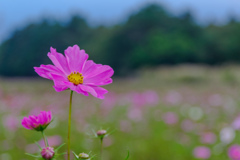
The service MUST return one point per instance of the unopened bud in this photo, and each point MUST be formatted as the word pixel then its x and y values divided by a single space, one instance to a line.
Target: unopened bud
pixel 83 156
pixel 101 133
pixel 47 153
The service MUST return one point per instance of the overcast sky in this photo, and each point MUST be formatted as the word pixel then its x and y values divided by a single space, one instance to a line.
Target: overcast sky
pixel 18 13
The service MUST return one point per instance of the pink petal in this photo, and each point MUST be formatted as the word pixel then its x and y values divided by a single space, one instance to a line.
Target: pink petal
pixel 33 119
pixel 76 58
pixel 25 123
pixel 95 91
pixel 61 85
pixel 49 116
pixel 59 61
pixel 45 71
pixel 57 77
pixel 44 118
pixel 31 124
pixel 78 89
pixel 101 77
pixel 90 67
pixel 41 119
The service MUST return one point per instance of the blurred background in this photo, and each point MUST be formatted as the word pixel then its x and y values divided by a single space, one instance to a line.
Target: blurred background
pixel 176 84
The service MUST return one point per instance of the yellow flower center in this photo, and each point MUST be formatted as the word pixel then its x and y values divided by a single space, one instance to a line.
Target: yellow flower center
pixel 76 78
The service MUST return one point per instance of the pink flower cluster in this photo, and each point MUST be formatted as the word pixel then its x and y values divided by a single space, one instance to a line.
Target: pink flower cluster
pixel 39 122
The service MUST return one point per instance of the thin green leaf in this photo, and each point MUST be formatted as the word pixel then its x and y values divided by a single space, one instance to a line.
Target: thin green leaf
pixel 76 156
pixel 127 156
pixel 59 147
pixel 35 156
pixel 93 156
pixel 61 153
pixel 38 145
pixel 109 133
pixel 94 133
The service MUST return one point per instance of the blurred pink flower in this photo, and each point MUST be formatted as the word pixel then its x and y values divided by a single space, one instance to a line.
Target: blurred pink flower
pixel 208 138
pixel 173 98
pixel 234 152
pixel 147 98
pixel 125 126
pixel 138 100
pixel 170 118
pixel 201 152
pixel 108 103
pixel 151 97
pixel 187 125
pixel 215 100
pixel 38 123
pixel 10 122
pixel 31 148
pixel 236 123
pixel 52 141
pixel 107 142
pixel 135 114
pixel 74 71
pixel 6 145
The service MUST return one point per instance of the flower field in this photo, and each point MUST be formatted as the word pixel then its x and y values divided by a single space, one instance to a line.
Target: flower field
pixel 169 113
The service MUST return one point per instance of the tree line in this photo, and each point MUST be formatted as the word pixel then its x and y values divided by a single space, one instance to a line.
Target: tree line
pixel 149 38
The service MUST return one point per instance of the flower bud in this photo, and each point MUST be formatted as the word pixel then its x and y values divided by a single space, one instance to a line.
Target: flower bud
pixel 101 133
pixel 47 153
pixel 83 156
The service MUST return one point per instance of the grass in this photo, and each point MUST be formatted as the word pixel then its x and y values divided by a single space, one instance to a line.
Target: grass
pixel 137 109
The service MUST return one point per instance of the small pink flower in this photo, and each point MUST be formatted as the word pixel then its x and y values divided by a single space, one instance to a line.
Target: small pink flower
pixel 202 152
pixel 208 138
pixel 234 152
pixel 170 118
pixel 74 71
pixel 38 123
pixel 47 153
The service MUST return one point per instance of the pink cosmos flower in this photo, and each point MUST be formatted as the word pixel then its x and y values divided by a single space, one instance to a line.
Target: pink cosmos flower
pixel 76 72
pixel 234 152
pixel 38 123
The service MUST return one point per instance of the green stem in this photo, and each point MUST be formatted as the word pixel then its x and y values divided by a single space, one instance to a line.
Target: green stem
pixel 101 154
pixel 45 139
pixel 69 124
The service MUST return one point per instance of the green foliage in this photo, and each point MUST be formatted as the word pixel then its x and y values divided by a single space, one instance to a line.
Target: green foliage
pixel 150 37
